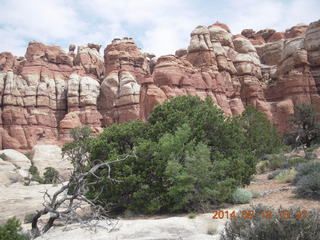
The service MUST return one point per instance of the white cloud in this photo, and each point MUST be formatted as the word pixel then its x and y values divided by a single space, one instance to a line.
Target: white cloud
pixel 279 15
pixel 160 26
pixel 46 21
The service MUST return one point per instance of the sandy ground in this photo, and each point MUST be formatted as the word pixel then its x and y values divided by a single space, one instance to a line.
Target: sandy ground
pixel 285 199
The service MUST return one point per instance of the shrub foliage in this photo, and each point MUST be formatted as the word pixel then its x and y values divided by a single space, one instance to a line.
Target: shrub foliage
pixel 241 196
pixel 188 155
pixel 307 180
pixel 10 230
pixel 50 175
pixel 275 227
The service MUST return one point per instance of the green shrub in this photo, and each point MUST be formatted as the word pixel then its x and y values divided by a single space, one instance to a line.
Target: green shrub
pixel 275 173
pixel 274 227
pixel 255 194
pixel 10 230
pixel 262 166
pixel 294 162
pixel 28 218
pixel 262 137
pixel 308 186
pixel 28 155
pixel 50 175
pixel 188 155
pixel 241 196
pixel 33 170
pixel 3 156
pixel 192 215
pixel 281 161
pixel 278 161
pixel 286 176
pixel 305 169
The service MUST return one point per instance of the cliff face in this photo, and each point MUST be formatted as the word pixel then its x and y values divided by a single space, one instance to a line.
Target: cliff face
pixel 48 92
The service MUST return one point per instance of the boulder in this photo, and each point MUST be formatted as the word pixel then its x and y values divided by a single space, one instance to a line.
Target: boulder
pixel 19 160
pixel 50 156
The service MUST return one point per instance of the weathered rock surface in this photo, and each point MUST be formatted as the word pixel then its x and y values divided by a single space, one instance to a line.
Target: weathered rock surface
pixel 9 173
pixel 19 200
pixel 172 228
pixel 50 156
pixel 48 92
pixel 16 158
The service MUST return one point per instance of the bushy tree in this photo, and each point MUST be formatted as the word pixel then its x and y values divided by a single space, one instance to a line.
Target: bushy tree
pixel 187 155
pixel 261 136
pixel 305 125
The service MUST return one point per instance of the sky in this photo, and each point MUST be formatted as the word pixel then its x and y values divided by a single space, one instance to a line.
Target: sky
pixel 157 26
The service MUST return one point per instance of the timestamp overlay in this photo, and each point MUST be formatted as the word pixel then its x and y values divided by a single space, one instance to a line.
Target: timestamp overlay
pixel 252 214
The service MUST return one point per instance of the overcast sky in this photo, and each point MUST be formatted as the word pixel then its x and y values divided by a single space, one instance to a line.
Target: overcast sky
pixel 158 26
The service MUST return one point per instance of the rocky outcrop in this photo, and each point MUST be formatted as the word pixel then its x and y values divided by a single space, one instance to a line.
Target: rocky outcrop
pixel 16 158
pixel 44 155
pixel 38 91
pixel 48 92
pixel 14 167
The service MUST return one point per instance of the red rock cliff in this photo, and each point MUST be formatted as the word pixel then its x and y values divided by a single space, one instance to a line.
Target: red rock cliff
pixel 48 92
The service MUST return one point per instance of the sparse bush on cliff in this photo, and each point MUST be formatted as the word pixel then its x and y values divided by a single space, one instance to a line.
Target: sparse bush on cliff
pixel 269 223
pixel 11 230
pixel 3 156
pixel 188 155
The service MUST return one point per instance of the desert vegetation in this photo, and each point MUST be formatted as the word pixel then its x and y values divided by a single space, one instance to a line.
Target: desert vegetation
pixel 187 157
pixel 11 230
pixel 268 223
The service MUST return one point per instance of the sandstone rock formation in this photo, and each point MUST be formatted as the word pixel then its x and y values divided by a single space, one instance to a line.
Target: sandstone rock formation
pixel 14 166
pixel 45 155
pixel 48 92
pixel 16 158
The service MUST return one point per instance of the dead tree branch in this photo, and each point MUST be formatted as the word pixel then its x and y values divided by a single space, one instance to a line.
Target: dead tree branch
pixel 64 206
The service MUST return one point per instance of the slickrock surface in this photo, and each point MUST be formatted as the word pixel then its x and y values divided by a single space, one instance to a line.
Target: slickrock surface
pixel 14 166
pixel 48 92
pixel 19 200
pixel 172 228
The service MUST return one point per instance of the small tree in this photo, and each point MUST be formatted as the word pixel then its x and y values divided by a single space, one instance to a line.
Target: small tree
pixel 305 125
